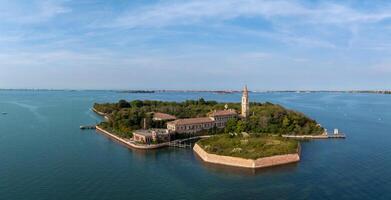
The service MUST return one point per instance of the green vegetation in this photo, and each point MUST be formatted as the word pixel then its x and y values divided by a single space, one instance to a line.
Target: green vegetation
pixel 252 146
pixel 124 132
pixel 186 109
pixel 271 118
pixel 124 117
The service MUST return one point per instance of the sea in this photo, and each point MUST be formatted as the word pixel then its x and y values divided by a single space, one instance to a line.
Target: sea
pixel 45 156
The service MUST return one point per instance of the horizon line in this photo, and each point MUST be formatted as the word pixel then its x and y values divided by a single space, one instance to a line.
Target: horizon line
pixel 200 90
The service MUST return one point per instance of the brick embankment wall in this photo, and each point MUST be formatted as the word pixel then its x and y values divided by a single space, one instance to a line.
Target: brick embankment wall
pixel 246 163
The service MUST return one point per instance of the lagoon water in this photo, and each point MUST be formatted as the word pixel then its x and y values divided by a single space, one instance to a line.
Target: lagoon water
pixel 44 155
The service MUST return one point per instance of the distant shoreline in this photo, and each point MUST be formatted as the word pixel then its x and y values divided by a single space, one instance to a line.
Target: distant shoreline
pixel 207 91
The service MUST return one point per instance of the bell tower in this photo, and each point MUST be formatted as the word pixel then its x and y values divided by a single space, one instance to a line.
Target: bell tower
pixel 245 103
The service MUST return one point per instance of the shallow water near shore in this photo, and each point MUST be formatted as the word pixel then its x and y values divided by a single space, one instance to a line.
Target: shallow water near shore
pixel 44 154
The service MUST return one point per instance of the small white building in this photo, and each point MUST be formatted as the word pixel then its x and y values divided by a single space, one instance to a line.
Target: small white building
pixel 148 136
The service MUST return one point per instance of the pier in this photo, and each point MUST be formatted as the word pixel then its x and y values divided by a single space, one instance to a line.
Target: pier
pixel 87 127
pixel 336 136
pixel 180 143
pixel 325 135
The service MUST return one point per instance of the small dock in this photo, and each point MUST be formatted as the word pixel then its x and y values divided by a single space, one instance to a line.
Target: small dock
pixel 335 135
pixel 323 136
pixel 86 127
pixel 181 143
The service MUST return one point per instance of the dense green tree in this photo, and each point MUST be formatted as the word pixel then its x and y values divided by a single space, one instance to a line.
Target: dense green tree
pixel 264 118
pixel 285 122
pixel 123 104
pixel 136 103
pixel 201 101
pixel 241 126
pixel 230 126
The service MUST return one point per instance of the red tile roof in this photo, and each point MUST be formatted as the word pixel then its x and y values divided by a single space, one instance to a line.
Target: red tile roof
pixel 189 121
pixel 163 116
pixel 223 113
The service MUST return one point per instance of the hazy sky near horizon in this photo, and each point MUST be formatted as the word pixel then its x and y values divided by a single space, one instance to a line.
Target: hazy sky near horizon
pixel 195 44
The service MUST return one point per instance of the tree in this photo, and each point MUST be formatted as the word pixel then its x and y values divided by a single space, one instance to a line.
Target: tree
pixel 230 126
pixel 286 122
pixel 267 117
pixel 241 126
pixel 201 101
pixel 123 104
pixel 136 103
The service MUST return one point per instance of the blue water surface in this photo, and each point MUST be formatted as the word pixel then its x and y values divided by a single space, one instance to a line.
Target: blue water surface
pixel 44 155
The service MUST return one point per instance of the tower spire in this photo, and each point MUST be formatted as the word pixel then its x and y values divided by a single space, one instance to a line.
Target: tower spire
pixel 245 102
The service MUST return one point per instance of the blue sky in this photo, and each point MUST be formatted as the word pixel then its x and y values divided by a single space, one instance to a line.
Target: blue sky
pixel 171 44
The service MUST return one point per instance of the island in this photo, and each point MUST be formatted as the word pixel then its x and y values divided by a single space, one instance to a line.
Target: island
pixel 137 91
pixel 260 135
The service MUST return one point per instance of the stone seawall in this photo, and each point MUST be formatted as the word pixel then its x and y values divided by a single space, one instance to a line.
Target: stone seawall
pixel 246 163
pixel 323 136
pixel 99 113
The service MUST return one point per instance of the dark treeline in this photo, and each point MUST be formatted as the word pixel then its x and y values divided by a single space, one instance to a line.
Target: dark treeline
pixel 124 116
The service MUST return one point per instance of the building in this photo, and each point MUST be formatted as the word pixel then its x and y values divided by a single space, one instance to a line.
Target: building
pixel 222 116
pixel 158 116
pixel 217 118
pixel 190 125
pixel 245 103
pixel 148 136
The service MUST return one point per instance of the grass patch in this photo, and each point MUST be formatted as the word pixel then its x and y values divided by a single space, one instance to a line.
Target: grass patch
pixel 251 147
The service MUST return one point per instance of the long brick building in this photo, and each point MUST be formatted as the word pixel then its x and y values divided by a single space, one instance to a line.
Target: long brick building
pixel 217 118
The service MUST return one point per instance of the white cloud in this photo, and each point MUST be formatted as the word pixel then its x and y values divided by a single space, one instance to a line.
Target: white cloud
pixel 288 18
pixel 31 12
pixel 189 12
pixel 297 40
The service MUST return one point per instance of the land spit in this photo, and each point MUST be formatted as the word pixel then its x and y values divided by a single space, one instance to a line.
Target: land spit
pixel 247 163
